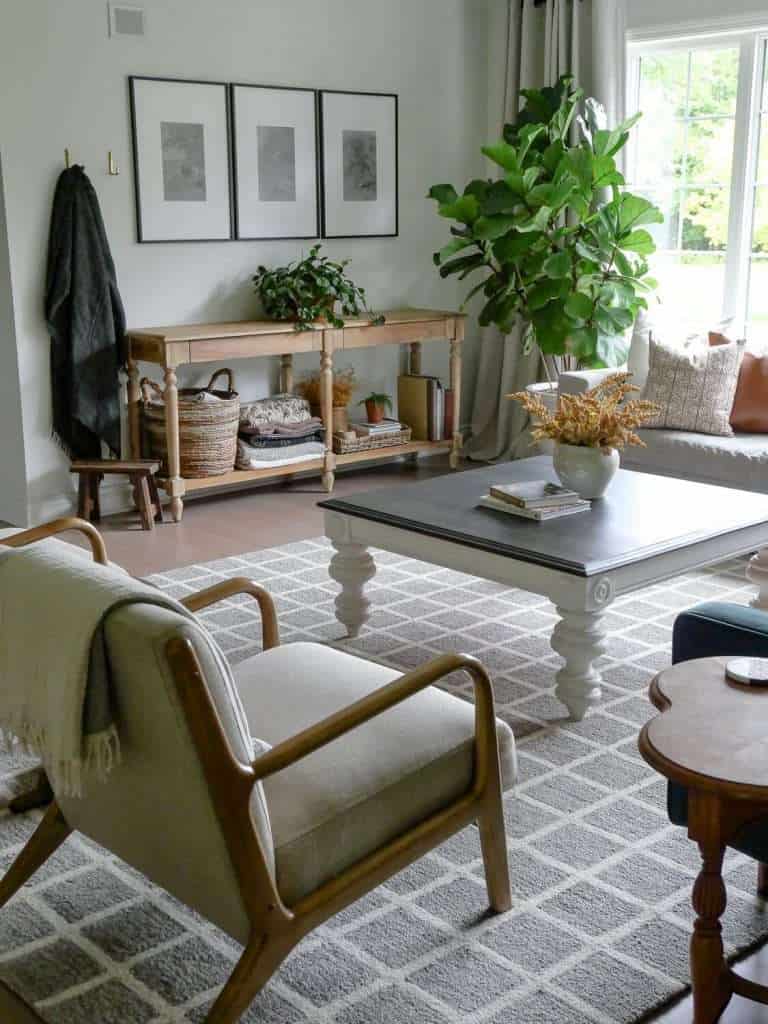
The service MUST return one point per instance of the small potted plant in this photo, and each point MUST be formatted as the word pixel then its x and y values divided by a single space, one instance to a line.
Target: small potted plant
pixel 343 385
pixel 588 430
pixel 376 406
pixel 310 290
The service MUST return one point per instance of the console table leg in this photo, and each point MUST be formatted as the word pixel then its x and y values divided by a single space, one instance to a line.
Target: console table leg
pixel 134 411
pixel 174 484
pixel 712 988
pixel 326 410
pixel 757 572
pixel 579 638
pixel 352 566
pixel 457 439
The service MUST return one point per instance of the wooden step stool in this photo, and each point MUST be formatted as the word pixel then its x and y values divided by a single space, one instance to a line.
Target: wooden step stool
pixel 141 473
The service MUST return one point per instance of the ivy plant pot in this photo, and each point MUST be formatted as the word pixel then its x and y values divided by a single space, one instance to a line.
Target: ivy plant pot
pixel 550 396
pixel 588 471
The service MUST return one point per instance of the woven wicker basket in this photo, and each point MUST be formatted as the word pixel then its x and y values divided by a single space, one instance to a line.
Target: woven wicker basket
pixel 207 430
pixel 363 444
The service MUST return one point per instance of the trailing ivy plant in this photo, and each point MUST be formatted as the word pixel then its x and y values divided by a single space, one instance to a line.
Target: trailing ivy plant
pixel 309 290
pixel 560 241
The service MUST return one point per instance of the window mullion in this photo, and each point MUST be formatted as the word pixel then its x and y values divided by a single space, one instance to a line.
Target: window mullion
pixel 742 187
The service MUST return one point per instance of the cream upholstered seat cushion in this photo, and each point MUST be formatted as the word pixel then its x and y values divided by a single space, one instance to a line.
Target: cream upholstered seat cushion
pixel 345 800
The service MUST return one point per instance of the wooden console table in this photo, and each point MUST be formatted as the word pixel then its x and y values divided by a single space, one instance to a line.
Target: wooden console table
pixel 171 347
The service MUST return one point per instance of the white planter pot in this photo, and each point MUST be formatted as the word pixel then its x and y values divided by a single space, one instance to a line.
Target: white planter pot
pixel 550 396
pixel 588 471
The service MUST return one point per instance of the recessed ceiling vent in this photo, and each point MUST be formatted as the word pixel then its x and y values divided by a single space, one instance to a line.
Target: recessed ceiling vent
pixel 125 20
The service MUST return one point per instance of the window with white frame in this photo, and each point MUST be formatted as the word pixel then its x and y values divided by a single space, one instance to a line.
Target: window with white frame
pixel 700 152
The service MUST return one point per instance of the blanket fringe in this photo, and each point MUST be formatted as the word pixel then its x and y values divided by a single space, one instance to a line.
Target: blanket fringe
pixel 101 752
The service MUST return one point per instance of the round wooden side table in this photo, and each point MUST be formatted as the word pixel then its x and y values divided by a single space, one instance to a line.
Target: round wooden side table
pixel 712 738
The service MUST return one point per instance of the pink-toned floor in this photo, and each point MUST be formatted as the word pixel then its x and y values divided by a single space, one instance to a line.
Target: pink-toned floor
pixel 231 524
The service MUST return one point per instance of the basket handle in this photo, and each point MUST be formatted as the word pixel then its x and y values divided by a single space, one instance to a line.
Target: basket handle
pixel 146 385
pixel 218 373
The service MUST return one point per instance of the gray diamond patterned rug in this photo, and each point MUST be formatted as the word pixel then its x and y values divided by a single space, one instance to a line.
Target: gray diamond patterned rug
pixel 600 925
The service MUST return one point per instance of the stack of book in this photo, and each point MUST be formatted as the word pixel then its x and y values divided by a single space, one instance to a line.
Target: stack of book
pixel 534 499
pixel 380 429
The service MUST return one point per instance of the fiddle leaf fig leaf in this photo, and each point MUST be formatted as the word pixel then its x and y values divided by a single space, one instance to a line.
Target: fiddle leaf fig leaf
pixel 639 241
pixel 579 307
pixel 504 155
pixel 489 228
pixel 558 265
pixel 443 194
pixel 465 209
pixel 451 249
pixel 635 211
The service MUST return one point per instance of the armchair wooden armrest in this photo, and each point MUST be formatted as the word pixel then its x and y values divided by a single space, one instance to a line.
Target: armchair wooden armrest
pixel 98 550
pixel 332 728
pixel 240 585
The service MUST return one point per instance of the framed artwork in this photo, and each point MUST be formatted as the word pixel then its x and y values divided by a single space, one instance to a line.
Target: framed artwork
pixel 359 164
pixel 181 155
pixel 275 162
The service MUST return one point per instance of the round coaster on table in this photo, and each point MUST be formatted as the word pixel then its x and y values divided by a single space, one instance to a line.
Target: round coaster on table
pixel 748 671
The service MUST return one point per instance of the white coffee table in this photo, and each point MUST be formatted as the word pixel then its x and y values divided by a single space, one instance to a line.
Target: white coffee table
pixel 647 529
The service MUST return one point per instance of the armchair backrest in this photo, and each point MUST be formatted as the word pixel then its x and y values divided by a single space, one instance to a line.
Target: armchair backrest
pixel 156 810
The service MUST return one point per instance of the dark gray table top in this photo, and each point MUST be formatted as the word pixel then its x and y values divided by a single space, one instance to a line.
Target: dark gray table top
pixel 641 515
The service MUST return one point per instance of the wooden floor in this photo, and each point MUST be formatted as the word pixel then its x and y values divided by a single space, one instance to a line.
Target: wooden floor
pixel 219 526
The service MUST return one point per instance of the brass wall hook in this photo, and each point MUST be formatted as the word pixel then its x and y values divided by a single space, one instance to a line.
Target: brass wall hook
pixel 112 167
pixel 66 158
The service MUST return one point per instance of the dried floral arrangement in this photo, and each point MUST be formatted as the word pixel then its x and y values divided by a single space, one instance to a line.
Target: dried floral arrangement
pixel 344 382
pixel 598 418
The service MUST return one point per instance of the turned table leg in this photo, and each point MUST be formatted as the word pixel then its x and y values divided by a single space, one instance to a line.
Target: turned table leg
pixel 134 410
pixel 174 483
pixel 712 986
pixel 580 639
pixel 352 566
pixel 457 439
pixel 326 401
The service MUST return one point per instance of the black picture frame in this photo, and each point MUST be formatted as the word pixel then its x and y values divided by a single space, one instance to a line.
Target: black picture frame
pixel 236 177
pixel 132 80
pixel 323 169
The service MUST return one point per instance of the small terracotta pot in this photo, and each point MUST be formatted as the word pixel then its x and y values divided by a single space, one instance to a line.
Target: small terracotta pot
pixel 374 412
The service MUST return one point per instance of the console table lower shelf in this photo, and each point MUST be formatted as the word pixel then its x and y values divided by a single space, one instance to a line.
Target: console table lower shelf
pixel 241 477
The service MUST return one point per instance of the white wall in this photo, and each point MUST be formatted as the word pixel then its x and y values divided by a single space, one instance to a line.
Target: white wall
pixel 13 477
pixel 63 83
pixel 650 14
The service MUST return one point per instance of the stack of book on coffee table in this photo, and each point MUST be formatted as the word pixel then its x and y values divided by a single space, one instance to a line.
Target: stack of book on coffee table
pixel 534 499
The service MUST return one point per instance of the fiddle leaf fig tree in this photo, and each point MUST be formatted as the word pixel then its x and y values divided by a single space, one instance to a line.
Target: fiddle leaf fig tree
pixel 560 243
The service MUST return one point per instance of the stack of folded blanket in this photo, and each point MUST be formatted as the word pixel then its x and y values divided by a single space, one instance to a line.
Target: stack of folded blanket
pixel 278 431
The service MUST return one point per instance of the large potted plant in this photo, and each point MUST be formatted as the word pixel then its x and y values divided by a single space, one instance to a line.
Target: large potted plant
pixel 560 242
pixel 312 289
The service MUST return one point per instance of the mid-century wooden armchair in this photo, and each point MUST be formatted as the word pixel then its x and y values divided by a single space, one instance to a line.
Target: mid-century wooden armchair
pixel 366 770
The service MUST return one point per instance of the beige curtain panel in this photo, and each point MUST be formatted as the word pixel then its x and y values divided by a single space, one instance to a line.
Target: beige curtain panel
pixel 542 42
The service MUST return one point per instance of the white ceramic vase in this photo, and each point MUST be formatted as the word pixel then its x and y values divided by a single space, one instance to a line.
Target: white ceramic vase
pixel 588 471
pixel 550 396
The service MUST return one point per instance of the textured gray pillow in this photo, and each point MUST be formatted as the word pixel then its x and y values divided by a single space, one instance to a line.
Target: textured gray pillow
pixel 694 387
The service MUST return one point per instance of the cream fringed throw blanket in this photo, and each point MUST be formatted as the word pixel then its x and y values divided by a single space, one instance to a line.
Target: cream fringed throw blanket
pixel 55 693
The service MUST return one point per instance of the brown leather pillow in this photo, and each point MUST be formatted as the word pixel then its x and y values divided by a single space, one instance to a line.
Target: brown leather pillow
pixel 749 414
